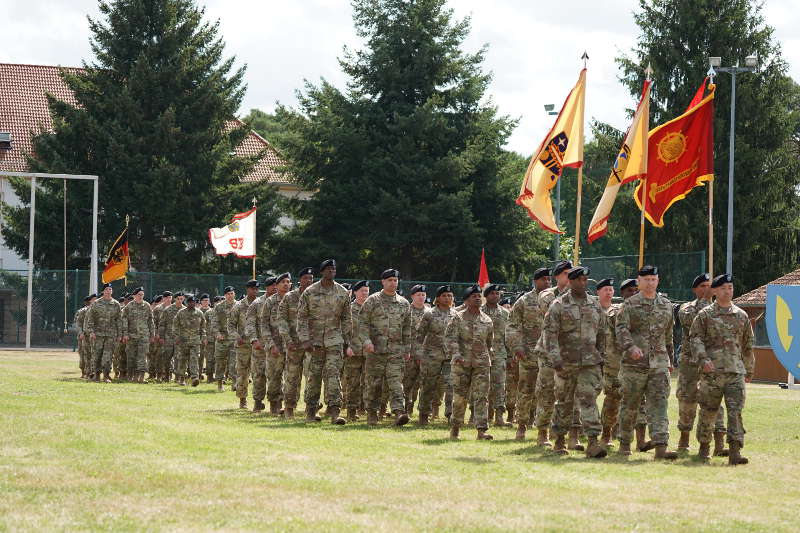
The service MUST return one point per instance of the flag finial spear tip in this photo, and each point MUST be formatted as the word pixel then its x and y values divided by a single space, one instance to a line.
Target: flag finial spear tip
pixel 585 58
pixel 648 71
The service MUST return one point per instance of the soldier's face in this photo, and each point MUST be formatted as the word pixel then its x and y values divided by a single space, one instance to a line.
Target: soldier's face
pixel 167 300
pixel 473 301
pixel 204 303
pixel 562 280
pixel 647 284
pixel 329 273
pixel 390 284
pixel 306 280
pixel 138 297
pixel 445 299
pixel 542 283
pixel 252 291
pixel 493 297
pixel 578 285
pixel 627 292
pixel 724 292
pixel 419 297
pixel 190 304
pixel 284 285
pixel 230 296
pixel 107 292
pixel 362 293
pixel 703 290
pixel 272 289
pixel 606 293
pixel 179 300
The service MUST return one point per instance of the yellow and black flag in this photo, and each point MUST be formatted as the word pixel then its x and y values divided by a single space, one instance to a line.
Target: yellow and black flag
pixel 118 260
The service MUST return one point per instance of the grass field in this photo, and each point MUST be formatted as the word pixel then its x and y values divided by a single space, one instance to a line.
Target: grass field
pixel 125 457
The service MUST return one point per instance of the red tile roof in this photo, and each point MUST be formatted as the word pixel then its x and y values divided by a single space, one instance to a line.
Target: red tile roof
pixel 24 111
pixel 758 297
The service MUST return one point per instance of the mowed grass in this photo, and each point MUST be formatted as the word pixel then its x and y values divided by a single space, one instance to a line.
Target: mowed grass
pixel 125 457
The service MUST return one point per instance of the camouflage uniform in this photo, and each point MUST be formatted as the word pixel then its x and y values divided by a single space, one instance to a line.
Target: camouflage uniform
pixel 433 359
pixel 385 322
pixel 647 324
pixel 724 337
pixel 155 348
pixel 323 319
pixel 525 329
pixel 276 363
pixel 119 358
pixel 206 361
pixel 612 385
pixel 354 367
pixel 138 326
pixel 574 338
pixel 190 329
pixel 468 342
pixel 223 348
pixel 166 331
pixel 497 393
pixel 295 355
pixel 689 371
pixel 84 345
pixel 258 361
pixel 545 380
pixel 411 373
pixel 102 320
pixel 244 350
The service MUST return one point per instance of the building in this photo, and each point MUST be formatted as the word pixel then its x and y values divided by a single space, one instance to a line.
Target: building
pixel 768 368
pixel 24 112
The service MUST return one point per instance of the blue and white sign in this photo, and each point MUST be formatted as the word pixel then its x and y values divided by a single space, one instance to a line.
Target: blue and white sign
pixel 783 325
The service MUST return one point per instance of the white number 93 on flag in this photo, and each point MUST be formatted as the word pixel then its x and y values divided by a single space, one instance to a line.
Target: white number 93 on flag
pixel 238 237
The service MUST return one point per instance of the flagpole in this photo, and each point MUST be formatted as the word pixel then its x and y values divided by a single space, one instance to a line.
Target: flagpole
pixel 711 74
pixel 255 248
pixel 648 72
pixel 128 233
pixel 577 247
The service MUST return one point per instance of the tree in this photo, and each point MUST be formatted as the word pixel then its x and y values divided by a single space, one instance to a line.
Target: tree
pixel 677 36
pixel 407 162
pixel 153 121
pixel 268 126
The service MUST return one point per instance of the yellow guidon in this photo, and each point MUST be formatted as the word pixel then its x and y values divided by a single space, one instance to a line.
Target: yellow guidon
pixel 782 317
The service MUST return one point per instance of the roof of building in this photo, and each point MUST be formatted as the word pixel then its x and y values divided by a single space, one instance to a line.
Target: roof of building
pixel 758 297
pixel 24 111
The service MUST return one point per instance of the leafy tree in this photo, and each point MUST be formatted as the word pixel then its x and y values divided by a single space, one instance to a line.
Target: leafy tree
pixel 268 126
pixel 407 162
pixel 152 121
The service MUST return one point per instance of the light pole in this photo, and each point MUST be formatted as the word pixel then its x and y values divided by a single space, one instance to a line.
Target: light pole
pixel 549 109
pixel 750 63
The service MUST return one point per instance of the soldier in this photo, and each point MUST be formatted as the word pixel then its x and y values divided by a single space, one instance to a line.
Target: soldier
pixel 206 361
pixel 277 348
pixel 431 355
pixel 152 355
pixel 138 331
pixel 190 335
pixel 612 387
pixel 84 346
pixel 256 337
pixel 295 354
pixel 468 342
pixel 237 319
pixel 689 372
pixel 722 344
pixel 644 334
pixel 324 325
pixel 505 303
pixel 218 328
pixel 103 326
pixel 411 372
pixel 574 341
pixel 119 360
pixel 166 332
pixel 500 317
pixel 354 365
pixel 385 329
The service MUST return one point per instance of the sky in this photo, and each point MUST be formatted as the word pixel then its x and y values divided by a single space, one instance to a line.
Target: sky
pixel 534 52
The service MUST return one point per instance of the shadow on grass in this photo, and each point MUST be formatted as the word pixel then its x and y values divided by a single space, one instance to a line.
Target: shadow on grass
pixel 474 460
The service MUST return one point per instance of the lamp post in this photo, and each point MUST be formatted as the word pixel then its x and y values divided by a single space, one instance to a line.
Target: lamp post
pixel 750 63
pixel 549 109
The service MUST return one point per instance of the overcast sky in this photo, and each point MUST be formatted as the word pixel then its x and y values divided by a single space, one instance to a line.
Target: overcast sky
pixel 533 52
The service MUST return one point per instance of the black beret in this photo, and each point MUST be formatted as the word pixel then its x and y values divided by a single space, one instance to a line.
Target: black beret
pixel 505 301
pixel 305 271
pixel 578 271
pixel 417 288
pixel 443 289
pixel 359 284
pixel 228 289
pixel 327 263
pixel 190 298
pixel 88 298
pixel 94 295
pixel 346 286
pixel 561 267
pixel 540 273
pixel 179 293
pixel 283 276
pixel 252 283
pixel 270 281
pixel 648 270
pixel 204 296
pixel 490 288
pixel 472 289
pixel 721 280
pixel 702 278
pixel 218 298
pixel 137 290
pixel 390 273
pixel 607 282
pixel 628 283
pixel 166 293
pixel 106 286
pixel 120 299
pixel 157 299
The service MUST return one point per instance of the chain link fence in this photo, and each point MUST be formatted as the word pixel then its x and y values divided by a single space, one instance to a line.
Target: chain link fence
pixel 58 294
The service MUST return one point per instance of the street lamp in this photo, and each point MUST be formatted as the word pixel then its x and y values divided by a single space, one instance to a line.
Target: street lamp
pixel 751 63
pixel 550 110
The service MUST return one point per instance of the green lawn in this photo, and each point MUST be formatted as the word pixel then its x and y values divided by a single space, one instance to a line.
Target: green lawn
pixel 124 457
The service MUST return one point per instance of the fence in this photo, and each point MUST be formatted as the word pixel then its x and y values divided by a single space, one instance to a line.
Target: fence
pixel 52 320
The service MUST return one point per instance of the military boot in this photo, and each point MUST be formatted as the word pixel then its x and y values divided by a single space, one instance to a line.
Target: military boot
pixel 561 446
pixel 258 406
pixel 573 443
pixel 605 437
pixel 624 448
pixel 372 417
pixel 274 407
pixel 423 419
pixel 337 420
pixel 542 440
pixel 594 450
pixel 311 415
pixel 498 418
pixel 704 452
pixel 510 418
pixel 734 457
pixel 382 413
pixel 454 431
pixel 663 453
pixel 482 435
pixel 108 377
pixel 219 385
pixel 351 415
pixel 521 428
pixel 242 403
pixel 719 444
pixel 641 444
pixel 195 382
pixel 288 413
pixel 683 442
